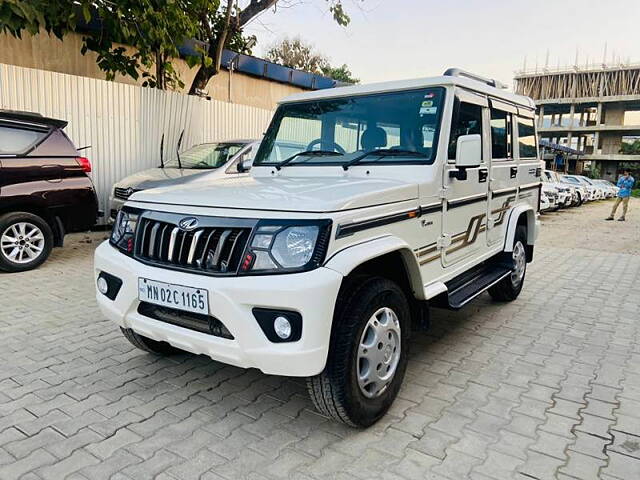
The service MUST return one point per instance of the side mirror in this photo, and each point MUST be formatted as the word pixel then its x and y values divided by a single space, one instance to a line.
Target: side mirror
pixel 469 151
pixel 244 165
pixel 468 155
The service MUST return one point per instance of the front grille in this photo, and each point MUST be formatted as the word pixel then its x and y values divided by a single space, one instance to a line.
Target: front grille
pixel 123 193
pixel 208 249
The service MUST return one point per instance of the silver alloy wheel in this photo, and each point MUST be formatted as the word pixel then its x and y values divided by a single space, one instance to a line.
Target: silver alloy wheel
pixel 378 352
pixel 519 262
pixel 22 242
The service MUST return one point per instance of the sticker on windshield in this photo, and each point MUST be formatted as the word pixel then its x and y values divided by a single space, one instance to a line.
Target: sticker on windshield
pixel 427 103
pixel 428 110
pixel 430 95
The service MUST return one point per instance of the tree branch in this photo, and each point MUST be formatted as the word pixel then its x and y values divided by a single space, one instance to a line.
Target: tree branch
pixel 253 9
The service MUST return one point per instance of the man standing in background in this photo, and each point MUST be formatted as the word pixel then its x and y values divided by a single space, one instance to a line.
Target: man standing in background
pixel 625 184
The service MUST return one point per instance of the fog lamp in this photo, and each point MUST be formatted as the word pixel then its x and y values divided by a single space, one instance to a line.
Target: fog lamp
pixel 282 327
pixel 103 286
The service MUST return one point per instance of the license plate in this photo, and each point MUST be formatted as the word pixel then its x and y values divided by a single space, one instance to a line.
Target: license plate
pixel 169 295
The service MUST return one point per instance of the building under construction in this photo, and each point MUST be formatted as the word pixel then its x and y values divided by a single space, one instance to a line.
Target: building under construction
pixel 592 112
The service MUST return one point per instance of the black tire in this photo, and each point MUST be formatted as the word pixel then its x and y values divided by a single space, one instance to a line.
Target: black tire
pixel 9 221
pixel 335 392
pixel 579 203
pixel 149 345
pixel 509 288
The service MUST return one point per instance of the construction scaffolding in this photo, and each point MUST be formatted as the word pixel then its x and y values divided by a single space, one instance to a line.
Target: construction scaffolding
pixel 594 110
pixel 577 82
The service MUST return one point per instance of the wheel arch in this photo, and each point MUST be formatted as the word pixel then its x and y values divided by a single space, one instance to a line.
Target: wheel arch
pixel 522 215
pixel 381 257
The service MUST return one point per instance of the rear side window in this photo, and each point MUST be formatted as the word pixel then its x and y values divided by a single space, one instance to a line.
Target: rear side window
pixel 14 141
pixel 501 129
pixel 526 138
pixel 468 121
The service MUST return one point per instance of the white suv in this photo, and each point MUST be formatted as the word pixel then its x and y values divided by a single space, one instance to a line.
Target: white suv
pixel 401 195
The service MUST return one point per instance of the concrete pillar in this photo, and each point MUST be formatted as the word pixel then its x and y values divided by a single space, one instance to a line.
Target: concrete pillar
pixel 541 116
pixel 572 112
pixel 596 137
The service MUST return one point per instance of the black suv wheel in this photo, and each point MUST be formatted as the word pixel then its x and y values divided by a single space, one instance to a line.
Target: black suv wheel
pixel 367 355
pixel 26 241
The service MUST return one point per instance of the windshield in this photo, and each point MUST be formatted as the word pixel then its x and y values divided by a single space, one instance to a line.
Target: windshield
pixel 206 156
pixel 571 179
pixel 399 127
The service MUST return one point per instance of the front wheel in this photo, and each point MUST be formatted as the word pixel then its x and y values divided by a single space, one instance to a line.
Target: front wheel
pixel 367 355
pixel 508 289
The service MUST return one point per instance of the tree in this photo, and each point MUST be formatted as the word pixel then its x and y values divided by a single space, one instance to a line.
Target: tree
pixel 220 25
pixel 154 28
pixel 341 74
pixel 295 53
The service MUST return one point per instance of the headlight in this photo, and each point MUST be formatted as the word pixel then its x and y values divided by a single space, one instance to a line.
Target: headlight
pixel 124 229
pixel 286 247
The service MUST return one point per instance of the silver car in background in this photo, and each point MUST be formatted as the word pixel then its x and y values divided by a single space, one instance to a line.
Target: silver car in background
pixel 206 161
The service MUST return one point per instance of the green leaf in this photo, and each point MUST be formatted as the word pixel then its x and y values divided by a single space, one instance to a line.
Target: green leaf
pixel 86 13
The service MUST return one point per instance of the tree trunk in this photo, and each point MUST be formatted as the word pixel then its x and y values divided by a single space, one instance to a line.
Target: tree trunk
pixel 216 45
pixel 159 71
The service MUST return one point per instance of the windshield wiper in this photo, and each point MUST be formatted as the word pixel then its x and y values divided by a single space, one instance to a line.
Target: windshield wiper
pixel 384 152
pixel 286 161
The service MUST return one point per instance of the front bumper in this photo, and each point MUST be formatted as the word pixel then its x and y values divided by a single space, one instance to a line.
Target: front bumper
pixel 231 300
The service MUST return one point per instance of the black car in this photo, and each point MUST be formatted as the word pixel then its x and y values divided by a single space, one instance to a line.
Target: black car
pixel 45 191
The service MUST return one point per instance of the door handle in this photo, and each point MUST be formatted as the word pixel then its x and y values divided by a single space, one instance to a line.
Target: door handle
pixel 514 172
pixel 483 173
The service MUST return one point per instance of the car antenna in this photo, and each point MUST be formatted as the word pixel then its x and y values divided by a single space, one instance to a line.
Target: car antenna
pixel 178 150
pixel 162 151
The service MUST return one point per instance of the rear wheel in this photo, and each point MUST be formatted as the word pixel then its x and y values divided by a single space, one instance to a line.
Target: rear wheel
pixel 367 355
pixel 26 241
pixel 149 345
pixel 510 287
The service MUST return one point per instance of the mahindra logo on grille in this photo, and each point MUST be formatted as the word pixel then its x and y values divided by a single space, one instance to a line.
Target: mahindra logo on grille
pixel 130 191
pixel 188 223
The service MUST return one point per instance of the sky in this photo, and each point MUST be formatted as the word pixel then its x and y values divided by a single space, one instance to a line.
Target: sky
pixel 402 39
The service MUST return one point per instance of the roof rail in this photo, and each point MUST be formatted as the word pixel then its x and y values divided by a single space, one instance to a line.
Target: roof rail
pixel 456 72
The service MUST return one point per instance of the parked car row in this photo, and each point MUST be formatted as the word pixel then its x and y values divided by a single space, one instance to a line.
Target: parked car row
pixel 563 191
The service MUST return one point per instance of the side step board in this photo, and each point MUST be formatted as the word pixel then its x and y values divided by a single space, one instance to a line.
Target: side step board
pixel 465 288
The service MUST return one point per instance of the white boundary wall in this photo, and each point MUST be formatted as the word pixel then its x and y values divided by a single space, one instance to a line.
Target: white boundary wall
pixel 124 123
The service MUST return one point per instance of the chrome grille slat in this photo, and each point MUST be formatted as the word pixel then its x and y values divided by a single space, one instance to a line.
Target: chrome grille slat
pixel 182 242
pixel 223 238
pixel 233 246
pixel 172 243
pixel 206 249
pixel 163 236
pixel 194 244
pixel 152 239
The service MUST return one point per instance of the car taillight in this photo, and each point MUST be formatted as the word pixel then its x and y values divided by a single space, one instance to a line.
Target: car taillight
pixel 84 163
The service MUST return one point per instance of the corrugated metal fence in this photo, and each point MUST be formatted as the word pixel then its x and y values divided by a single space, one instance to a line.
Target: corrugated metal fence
pixel 124 123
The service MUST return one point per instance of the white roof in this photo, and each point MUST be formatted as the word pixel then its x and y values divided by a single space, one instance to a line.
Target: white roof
pixel 397 85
